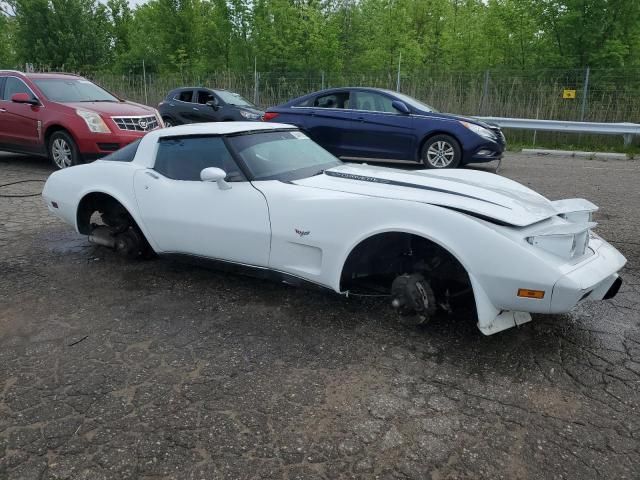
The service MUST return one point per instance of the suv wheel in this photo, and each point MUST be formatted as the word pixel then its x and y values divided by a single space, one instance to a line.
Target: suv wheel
pixel 62 150
pixel 169 122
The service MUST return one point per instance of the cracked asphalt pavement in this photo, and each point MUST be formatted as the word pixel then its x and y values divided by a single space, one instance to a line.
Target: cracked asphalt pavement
pixel 158 370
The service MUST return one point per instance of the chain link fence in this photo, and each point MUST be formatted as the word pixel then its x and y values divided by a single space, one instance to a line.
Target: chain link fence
pixel 554 94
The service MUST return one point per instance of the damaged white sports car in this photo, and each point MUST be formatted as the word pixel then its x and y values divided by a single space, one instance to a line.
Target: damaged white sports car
pixel 266 199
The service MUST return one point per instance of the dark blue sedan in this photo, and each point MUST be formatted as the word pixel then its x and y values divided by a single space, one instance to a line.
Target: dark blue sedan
pixel 372 124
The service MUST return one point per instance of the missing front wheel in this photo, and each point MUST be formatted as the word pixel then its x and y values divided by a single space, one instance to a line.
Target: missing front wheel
pixel 413 298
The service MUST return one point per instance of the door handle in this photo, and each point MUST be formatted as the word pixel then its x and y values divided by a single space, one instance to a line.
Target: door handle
pixel 2 110
pixel 360 119
pixel 195 109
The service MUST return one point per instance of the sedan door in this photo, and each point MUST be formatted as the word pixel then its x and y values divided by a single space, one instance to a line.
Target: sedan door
pixel 329 122
pixel 185 215
pixel 379 130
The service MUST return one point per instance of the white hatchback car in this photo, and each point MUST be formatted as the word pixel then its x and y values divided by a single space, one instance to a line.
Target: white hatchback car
pixel 266 199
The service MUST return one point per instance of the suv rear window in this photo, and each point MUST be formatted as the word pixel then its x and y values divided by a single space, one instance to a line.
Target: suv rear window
pixel 184 96
pixel 125 154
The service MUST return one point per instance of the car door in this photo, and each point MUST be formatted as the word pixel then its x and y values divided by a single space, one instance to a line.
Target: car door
pixel 328 121
pixel 184 108
pixel 185 215
pixel 20 125
pixel 379 130
pixel 204 112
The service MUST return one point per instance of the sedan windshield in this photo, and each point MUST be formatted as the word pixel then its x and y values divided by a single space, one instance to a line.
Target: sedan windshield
pixel 73 90
pixel 234 99
pixel 414 103
pixel 281 155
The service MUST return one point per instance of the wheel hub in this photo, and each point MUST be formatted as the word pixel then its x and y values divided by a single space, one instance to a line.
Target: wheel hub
pixel 440 154
pixel 61 152
pixel 412 295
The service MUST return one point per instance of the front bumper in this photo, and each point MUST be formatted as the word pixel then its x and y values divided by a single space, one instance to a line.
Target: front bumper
pixel 96 145
pixel 486 152
pixel 595 279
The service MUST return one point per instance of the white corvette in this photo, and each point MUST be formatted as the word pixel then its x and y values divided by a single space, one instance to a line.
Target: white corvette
pixel 266 199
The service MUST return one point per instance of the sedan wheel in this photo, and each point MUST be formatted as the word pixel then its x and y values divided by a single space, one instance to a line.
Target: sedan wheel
pixel 62 150
pixel 441 151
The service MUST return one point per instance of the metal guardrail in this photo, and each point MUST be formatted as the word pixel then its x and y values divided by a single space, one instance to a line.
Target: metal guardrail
pixel 627 130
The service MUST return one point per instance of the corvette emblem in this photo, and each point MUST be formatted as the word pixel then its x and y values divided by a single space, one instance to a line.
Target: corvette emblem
pixel 302 233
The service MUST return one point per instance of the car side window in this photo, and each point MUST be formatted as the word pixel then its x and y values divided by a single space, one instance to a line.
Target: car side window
pixel 2 79
pixel 305 103
pixel 204 96
pixel 184 96
pixel 332 100
pixel 373 102
pixel 15 85
pixel 183 158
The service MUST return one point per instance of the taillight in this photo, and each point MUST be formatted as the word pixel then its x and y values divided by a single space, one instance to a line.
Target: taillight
pixel 269 116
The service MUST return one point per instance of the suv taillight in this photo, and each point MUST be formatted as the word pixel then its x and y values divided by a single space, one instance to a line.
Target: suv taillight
pixel 269 116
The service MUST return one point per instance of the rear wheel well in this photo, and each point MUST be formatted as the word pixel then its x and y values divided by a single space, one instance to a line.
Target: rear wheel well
pixel 105 205
pixel 108 223
pixel 376 261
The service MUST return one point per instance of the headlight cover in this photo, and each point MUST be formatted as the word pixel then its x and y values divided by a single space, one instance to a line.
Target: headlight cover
pixel 478 130
pixel 93 120
pixel 584 216
pixel 159 118
pixel 568 242
pixel 249 115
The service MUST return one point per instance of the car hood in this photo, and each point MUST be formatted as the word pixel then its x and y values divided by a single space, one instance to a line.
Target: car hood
pixel 252 110
pixel 483 194
pixel 460 118
pixel 113 109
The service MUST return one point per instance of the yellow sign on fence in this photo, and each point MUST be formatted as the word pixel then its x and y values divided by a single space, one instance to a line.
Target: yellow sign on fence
pixel 568 94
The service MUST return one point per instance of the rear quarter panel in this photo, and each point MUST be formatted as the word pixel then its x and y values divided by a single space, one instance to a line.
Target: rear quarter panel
pixel 69 186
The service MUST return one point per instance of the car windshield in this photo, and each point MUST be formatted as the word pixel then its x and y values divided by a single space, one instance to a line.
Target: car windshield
pixel 414 103
pixel 73 90
pixel 234 99
pixel 281 155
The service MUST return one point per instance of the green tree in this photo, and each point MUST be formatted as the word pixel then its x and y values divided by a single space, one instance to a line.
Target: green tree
pixel 7 54
pixel 73 34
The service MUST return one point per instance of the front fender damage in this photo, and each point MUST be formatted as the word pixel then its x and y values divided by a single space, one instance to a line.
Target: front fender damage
pixel 490 319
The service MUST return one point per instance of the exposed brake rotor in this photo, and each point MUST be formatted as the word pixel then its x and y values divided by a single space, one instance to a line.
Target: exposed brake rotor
pixel 413 298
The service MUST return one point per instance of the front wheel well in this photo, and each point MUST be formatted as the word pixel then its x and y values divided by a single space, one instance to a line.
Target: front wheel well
pixel 376 261
pixel 53 129
pixel 429 136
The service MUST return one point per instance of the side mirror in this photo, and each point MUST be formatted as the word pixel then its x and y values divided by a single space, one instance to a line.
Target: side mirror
pixel 400 106
pixel 24 98
pixel 214 174
pixel 213 104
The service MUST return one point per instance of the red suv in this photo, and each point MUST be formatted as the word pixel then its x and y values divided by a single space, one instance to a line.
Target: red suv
pixel 67 118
